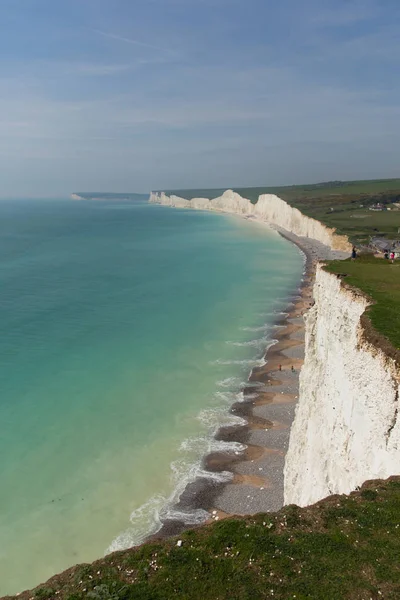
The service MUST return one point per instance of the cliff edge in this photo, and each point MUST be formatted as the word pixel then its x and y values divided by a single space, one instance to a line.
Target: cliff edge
pixel 346 428
pixel 268 208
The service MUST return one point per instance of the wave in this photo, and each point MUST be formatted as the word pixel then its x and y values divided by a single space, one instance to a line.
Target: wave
pixel 257 362
pixel 145 521
pixel 259 343
pixel 237 384
pixel 205 445
pixel 215 418
pixel 229 397
pixel 194 517
pixel 148 519
pixel 228 382
pixel 255 329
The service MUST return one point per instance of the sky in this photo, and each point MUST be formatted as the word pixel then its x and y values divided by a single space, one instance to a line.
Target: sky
pixel 134 95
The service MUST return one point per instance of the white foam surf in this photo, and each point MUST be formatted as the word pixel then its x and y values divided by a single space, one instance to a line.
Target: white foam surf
pixel 228 382
pixel 214 418
pixel 205 445
pixel 256 329
pixel 229 397
pixel 258 343
pixel 256 362
pixel 147 519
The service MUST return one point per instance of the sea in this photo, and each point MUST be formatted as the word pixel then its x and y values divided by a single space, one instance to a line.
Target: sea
pixel 126 332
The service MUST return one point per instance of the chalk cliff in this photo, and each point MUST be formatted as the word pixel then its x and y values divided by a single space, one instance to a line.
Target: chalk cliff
pixel 346 428
pixel 269 208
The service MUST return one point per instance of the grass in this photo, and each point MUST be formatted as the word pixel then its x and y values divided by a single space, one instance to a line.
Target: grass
pixel 345 547
pixel 298 192
pixel 380 280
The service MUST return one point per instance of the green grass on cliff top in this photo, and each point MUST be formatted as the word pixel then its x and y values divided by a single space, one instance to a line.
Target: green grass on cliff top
pixel 345 547
pixel 380 280
pixel 299 192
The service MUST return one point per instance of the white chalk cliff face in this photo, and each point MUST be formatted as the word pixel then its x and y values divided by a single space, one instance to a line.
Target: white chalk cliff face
pixel 346 428
pixel 268 208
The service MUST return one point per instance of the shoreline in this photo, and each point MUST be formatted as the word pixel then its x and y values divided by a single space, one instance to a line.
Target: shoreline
pixel 268 406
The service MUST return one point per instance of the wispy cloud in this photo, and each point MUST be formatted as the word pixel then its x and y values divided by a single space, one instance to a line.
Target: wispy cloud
pixel 126 40
pixel 109 98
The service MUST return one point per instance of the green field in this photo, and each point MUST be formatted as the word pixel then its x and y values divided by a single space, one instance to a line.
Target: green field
pixel 330 188
pixel 345 547
pixel 380 280
pixel 299 192
pixel 336 204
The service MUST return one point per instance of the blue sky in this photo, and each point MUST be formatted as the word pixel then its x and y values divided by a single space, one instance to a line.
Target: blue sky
pixel 133 95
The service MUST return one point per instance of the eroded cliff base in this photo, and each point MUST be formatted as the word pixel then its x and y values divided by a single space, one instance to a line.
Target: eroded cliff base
pixel 342 547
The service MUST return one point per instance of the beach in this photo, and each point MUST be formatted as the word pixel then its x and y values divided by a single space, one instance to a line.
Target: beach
pixel 268 406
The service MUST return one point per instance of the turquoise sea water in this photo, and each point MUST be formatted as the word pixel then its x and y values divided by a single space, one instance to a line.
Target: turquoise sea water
pixel 125 333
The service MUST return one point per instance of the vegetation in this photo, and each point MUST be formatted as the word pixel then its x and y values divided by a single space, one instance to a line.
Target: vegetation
pixel 380 280
pixel 338 204
pixel 342 547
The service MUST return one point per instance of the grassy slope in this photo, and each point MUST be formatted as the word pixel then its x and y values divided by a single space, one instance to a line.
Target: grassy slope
pixel 342 547
pixel 344 198
pixel 380 280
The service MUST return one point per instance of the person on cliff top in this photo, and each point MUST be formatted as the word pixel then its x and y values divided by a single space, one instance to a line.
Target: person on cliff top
pixel 386 255
pixel 392 257
pixel 353 253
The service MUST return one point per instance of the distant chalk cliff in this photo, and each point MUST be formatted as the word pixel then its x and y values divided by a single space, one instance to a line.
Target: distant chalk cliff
pixel 269 208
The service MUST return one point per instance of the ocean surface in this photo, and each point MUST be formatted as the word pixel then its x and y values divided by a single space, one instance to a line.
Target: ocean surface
pixel 126 331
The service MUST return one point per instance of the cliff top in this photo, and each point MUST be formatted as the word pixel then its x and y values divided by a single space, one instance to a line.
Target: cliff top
pixel 341 547
pixel 379 279
pixel 343 205
pixel 297 192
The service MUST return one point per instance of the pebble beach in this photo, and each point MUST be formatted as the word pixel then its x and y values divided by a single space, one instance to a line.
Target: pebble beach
pixel 268 408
